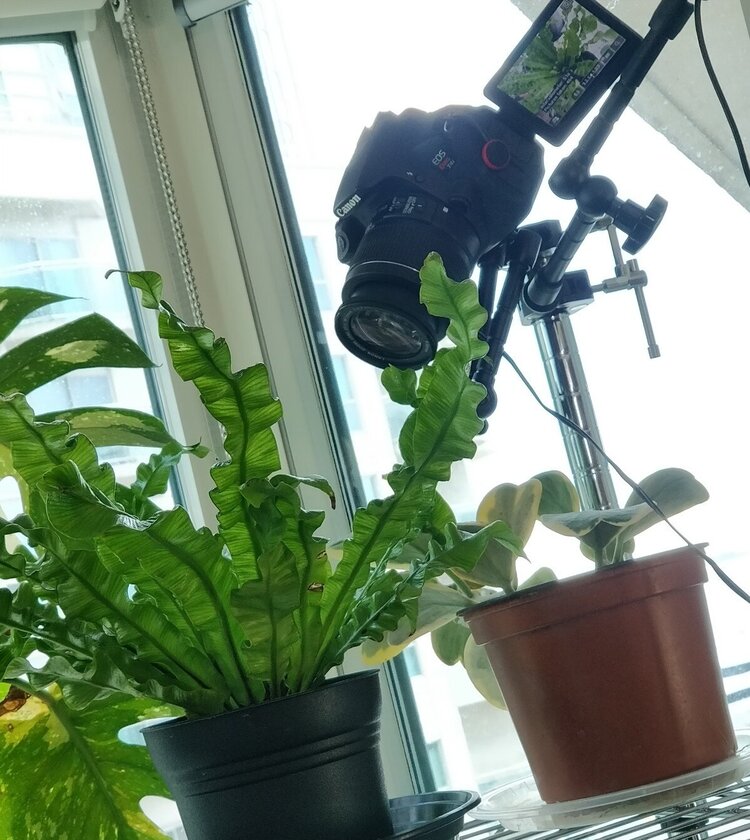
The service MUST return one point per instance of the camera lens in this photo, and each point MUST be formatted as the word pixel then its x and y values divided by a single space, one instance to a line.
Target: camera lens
pixel 370 325
pixel 381 319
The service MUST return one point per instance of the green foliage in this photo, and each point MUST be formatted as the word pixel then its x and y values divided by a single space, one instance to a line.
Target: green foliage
pixel 606 536
pixel 66 774
pixel 508 512
pixel 126 599
pixel 557 63
pixel 88 342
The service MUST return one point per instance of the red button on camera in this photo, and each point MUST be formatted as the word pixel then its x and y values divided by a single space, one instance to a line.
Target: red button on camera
pixel 495 155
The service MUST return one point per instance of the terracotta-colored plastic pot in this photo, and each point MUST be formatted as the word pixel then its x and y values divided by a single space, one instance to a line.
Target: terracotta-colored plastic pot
pixel 611 678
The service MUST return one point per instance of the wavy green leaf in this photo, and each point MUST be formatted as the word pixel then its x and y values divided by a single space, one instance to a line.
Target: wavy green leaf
pixel 152 478
pixel 438 605
pixel 456 301
pixel 186 579
pixel 244 405
pixel 447 420
pixel 442 432
pixel 6 462
pixel 36 447
pixel 282 524
pixel 389 607
pixel 88 592
pixel 401 385
pixel 265 608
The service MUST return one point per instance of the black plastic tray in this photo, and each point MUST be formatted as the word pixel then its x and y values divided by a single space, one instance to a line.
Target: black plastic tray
pixel 431 816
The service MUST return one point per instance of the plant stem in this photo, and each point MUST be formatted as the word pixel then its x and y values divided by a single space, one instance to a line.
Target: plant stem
pixel 461 585
pixel 220 612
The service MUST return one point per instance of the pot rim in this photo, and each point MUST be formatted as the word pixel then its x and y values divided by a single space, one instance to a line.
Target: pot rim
pixel 559 592
pixel 184 720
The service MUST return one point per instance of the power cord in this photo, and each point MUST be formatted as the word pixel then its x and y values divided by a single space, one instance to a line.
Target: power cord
pixel 721 574
pixel 719 92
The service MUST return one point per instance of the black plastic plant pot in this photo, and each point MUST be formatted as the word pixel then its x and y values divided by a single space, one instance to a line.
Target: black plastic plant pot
pixel 306 766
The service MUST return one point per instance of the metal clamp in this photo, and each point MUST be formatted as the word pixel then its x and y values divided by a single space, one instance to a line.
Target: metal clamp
pixel 628 275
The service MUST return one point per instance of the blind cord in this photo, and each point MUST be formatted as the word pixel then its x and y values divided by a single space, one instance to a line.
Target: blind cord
pixel 124 14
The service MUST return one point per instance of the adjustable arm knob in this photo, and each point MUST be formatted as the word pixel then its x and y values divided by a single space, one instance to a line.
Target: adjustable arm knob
pixel 637 222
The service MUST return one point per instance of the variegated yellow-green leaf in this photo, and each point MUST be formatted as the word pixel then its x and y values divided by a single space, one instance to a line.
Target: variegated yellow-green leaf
pixel 438 605
pixel 540 576
pixel 116 427
pixel 497 565
pixel 479 671
pixel 515 504
pixel 66 776
pixel 559 494
pixel 449 641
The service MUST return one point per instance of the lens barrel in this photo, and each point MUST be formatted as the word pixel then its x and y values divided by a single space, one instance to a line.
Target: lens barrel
pixel 381 319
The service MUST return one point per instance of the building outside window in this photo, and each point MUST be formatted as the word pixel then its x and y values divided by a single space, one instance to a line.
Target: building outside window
pixel 54 231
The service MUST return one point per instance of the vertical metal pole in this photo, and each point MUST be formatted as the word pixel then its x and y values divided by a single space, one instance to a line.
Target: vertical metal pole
pixel 570 394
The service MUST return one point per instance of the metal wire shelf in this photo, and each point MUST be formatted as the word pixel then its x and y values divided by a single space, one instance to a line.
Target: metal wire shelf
pixel 725 813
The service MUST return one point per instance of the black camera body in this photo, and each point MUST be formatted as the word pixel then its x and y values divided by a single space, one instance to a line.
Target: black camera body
pixel 457 181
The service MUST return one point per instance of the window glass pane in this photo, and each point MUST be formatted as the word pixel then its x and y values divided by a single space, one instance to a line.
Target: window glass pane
pixel 54 232
pixel 685 409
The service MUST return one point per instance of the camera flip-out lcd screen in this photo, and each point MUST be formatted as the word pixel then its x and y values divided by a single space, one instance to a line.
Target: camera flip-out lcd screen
pixel 572 54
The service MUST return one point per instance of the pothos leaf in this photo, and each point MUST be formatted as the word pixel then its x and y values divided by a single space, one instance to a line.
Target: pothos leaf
pixel 480 672
pixel 438 604
pixel 449 641
pixel 66 774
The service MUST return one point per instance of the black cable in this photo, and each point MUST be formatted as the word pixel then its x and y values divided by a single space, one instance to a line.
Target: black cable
pixel 719 92
pixel 721 574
